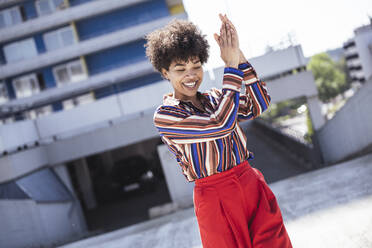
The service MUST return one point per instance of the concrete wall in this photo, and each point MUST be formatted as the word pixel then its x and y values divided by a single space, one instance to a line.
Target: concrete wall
pixel 20 218
pixel 26 133
pixel 41 224
pixel 25 223
pixel 181 191
pixel 279 61
pixel 21 163
pixel 350 130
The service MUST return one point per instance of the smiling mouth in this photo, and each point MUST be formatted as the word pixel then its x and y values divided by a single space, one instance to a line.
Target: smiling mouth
pixel 190 85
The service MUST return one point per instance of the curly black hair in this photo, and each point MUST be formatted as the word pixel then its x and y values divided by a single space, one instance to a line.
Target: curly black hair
pixel 179 40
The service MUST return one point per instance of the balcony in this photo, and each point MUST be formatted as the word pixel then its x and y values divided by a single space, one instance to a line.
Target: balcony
pixel 86 47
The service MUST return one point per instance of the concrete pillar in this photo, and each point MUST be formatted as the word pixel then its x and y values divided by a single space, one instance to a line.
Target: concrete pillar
pixel 314 106
pixel 181 191
pixel 85 183
pixel 318 120
pixel 76 214
pixel 108 161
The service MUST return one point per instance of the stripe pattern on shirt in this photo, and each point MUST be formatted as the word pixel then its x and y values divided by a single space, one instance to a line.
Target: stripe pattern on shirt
pixel 209 142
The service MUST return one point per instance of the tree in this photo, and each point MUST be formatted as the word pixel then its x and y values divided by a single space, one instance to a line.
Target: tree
pixel 329 76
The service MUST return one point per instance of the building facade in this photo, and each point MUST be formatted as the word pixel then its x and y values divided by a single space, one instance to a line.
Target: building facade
pixel 95 37
pixel 63 59
pixel 358 54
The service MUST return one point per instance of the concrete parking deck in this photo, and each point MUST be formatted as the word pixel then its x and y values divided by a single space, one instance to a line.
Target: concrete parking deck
pixel 330 207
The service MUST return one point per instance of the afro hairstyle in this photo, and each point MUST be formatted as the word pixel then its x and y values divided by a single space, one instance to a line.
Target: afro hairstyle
pixel 179 40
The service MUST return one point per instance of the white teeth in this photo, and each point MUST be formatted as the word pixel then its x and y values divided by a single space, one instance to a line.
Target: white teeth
pixel 192 84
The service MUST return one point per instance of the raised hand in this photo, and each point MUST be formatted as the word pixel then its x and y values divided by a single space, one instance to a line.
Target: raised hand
pixel 228 42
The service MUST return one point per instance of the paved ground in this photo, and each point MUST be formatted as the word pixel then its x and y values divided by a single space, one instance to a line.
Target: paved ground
pixel 330 208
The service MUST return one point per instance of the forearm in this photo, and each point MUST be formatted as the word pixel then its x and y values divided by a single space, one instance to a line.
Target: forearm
pixel 256 98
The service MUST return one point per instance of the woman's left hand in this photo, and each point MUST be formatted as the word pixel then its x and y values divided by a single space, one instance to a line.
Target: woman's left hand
pixel 229 43
pixel 224 20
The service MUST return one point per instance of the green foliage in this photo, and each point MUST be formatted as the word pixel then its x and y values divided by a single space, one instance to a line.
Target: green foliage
pixel 310 130
pixel 285 109
pixel 329 76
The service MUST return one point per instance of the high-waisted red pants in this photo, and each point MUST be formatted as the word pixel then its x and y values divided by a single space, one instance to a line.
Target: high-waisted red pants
pixel 237 209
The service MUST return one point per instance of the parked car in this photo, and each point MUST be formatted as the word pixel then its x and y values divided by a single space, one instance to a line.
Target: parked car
pixel 133 174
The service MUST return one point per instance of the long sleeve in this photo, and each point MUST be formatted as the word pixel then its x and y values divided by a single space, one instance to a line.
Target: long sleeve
pixel 256 98
pixel 182 127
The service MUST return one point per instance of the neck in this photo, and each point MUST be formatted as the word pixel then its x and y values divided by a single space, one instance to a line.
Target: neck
pixel 193 98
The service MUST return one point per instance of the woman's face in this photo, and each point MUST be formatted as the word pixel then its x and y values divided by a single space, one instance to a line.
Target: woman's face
pixel 185 76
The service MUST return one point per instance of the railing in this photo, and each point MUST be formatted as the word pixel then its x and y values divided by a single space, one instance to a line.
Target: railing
pixel 296 146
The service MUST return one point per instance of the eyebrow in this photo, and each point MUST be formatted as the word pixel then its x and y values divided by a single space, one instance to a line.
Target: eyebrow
pixel 178 64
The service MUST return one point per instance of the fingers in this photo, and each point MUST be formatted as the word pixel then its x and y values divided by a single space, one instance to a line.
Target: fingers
pixel 223 35
pixel 224 19
pixel 234 34
pixel 229 22
pixel 221 17
pixel 228 41
pixel 217 38
pixel 228 32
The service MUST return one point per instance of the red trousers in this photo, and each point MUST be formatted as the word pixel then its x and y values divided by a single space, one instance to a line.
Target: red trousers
pixel 237 209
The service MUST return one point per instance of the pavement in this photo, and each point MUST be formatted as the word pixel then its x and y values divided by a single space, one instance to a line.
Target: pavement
pixel 329 207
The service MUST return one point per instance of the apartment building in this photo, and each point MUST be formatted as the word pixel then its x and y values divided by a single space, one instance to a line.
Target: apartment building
pixel 95 37
pixel 68 69
pixel 358 54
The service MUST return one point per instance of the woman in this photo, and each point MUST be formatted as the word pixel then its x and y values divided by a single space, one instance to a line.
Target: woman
pixel 233 204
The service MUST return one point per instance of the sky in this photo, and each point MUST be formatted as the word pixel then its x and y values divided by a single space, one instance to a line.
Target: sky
pixel 317 25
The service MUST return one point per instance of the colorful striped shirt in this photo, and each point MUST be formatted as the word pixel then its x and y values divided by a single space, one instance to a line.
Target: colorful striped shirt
pixel 211 141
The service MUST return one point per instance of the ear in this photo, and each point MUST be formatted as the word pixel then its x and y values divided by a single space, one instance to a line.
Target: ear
pixel 164 73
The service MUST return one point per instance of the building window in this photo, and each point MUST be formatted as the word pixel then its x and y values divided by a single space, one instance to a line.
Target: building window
pixel 76 101
pixel 59 38
pixel 69 73
pixel 35 113
pixel 20 50
pixel 26 85
pixel 10 17
pixel 45 7
pixel 4 97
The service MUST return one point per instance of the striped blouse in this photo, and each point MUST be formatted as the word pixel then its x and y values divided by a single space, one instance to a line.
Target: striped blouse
pixel 210 141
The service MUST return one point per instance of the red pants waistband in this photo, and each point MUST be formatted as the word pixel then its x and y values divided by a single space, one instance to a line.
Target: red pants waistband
pixel 221 176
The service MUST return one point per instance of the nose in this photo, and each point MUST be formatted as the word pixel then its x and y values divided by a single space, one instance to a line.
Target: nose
pixel 190 78
pixel 191 74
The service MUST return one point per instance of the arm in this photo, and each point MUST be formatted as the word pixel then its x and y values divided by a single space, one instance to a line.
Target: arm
pixel 181 127
pixel 256 98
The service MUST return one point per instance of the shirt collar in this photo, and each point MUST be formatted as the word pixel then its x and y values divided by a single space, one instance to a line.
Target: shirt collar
pixel 169 99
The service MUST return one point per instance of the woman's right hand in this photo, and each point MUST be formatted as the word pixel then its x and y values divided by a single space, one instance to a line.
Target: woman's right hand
pixel 228 42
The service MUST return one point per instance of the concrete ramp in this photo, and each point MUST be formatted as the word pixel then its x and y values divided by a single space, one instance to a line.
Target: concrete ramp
pixel 326 208
pixel 350 130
